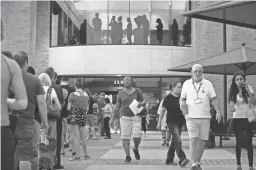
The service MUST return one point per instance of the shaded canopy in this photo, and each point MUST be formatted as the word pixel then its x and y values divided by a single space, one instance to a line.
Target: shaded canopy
pixel 240 13
pixel 227 63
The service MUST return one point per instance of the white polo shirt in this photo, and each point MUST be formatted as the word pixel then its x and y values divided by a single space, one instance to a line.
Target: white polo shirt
pixel 205 93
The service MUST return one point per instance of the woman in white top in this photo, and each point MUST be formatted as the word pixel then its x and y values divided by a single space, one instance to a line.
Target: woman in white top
pixel 47 154
pixel 240 97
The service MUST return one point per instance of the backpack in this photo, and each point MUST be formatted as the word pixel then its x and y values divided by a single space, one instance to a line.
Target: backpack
pixel 52 109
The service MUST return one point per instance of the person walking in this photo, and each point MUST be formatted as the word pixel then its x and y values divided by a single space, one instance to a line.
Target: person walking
pixel 195 99
pixel 106 117
pixel 166 135
pixel 175 120
pixel 241 98
pixel 130 123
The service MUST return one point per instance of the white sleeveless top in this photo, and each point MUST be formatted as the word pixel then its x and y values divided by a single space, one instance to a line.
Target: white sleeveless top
pixel 241 107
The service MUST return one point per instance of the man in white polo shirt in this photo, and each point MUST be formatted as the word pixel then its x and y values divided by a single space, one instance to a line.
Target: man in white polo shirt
pixel 195 103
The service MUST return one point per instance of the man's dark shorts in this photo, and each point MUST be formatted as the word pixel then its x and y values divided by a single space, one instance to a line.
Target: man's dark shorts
pixel 27 136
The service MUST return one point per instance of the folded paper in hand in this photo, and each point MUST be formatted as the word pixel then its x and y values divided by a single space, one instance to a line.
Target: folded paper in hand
pixel 134 107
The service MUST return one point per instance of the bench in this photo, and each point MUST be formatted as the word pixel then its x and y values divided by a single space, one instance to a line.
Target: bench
pixel 221 135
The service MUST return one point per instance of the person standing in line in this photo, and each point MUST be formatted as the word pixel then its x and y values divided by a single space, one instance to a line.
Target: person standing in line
pixel 67 134
pixel 53 76
pixel 195 103
pixel 11 77
pixel 27 132
pixel 166 135
pixel 47 153
pixel 92 118
pixel 106 117
pixel 78 104
pixel 130 123
pixel 175 120
pixel 241 98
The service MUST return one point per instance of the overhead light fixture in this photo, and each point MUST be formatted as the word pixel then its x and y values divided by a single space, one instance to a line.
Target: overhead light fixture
pixel 119 75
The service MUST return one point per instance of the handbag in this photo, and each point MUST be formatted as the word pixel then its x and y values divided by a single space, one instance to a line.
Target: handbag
pixel 251 113
pixel 52 108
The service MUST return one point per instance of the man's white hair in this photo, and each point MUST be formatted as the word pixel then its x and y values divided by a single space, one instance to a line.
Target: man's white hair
pixel 197 66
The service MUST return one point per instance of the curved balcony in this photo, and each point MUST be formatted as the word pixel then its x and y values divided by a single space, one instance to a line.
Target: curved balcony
pixel 109 60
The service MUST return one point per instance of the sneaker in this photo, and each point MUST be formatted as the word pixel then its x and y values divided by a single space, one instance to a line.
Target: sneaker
pixel 136 153
pixel 171 163
pixel 107 138
pixel 87 157
pixel 73 153
pixel 74 158
pixel 239 168
pixel 128 159
pixel 194 167
pixel 184 162
pixel 251 168
pixel 199 167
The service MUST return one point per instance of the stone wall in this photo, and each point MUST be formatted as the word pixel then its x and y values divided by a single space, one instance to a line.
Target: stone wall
pixel 26 28
pixel 207 41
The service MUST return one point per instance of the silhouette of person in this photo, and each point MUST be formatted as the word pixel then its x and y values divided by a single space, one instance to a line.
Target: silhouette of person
pixel 120 30
pixel 74 40
pixel 129 30
pixel 138 32
pixel 96 22
pixel 83 32
pixel 145 24
pixel 159 30
pixel 175 32
pixel 114 32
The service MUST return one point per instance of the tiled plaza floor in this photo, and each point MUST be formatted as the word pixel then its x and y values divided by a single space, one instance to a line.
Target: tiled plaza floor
pixel 108 154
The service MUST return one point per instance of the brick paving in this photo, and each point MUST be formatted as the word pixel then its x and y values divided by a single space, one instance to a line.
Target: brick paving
pixel 101 148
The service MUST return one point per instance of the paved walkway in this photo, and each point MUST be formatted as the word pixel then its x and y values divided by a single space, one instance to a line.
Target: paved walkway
pixel 108 154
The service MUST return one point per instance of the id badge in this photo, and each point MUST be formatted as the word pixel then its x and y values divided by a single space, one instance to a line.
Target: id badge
pixel 198 101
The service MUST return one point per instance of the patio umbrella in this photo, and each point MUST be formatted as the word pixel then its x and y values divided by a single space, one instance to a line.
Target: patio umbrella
pixel 227 63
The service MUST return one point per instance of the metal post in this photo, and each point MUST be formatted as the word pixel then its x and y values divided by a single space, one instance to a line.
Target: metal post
pixel 108 21
pixel 225 78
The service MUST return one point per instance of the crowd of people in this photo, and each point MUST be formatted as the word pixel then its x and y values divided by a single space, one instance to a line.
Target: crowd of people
pixel 40 118
pixel 93 34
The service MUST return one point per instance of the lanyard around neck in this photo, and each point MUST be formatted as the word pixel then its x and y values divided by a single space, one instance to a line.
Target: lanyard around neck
pixel 197 90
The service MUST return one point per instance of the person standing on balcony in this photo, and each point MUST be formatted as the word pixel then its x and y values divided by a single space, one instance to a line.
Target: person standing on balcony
pixel 83 32
pixel 138 32
pixel 195 103
pixel 114 32
pixel 120 30
pixel 130 123
pixel 159 31
pixel 175 31
pixel 129 30
pixel 96 22
pixel 145 25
